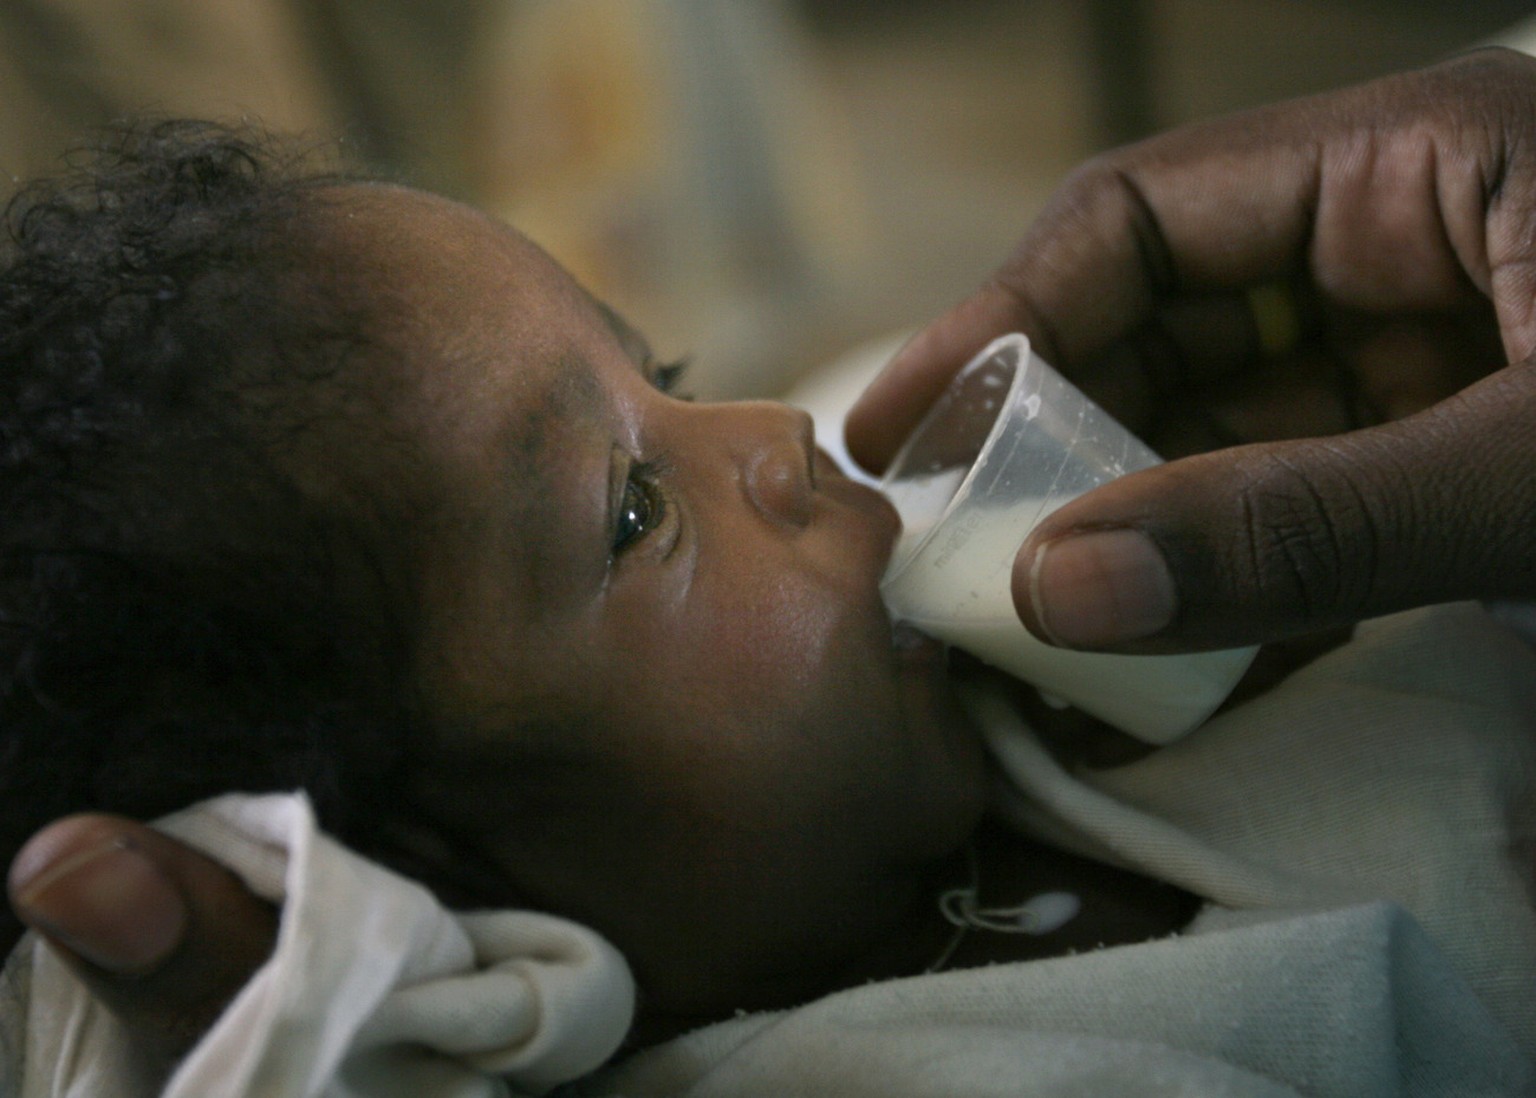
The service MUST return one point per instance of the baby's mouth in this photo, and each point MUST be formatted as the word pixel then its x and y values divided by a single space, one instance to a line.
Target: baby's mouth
pixel 909 639
pixel 915 653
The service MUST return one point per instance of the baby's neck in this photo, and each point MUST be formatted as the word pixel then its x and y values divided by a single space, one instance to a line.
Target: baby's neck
pixel 1109 906
pixel 1115 907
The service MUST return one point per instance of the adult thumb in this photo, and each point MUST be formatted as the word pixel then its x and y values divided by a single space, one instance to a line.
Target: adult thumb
pixel 161 934
pixel 1261 542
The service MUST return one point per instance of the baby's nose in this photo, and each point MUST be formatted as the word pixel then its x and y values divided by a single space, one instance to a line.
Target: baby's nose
pixel 777 472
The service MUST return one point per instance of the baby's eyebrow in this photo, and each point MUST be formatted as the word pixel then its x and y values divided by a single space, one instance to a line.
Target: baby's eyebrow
pixel 572 397
pixel 635 345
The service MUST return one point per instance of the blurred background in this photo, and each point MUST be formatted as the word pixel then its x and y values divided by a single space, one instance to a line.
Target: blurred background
pixel 760 184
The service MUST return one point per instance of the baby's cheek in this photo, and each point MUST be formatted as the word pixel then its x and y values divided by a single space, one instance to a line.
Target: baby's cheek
pixel 815 645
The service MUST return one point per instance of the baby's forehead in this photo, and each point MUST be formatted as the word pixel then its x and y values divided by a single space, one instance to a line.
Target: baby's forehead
pixel 475 342
pixel 388 234
pixel 439 283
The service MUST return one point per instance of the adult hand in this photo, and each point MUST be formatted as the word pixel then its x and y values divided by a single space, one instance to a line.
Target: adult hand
pixel 1359 268
pixel 162 935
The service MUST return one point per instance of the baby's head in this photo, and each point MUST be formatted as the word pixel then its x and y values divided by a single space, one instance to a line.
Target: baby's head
pixel 329 483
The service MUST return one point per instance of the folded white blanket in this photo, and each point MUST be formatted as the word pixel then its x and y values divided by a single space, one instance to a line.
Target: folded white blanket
pixel 373 988
pixel 1355 1003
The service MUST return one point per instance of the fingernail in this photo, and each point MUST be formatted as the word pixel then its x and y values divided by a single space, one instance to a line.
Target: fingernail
pixel 108 903
pixel 1102 587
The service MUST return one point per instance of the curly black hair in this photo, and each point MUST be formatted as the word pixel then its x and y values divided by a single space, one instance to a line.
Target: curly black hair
pixel 178 617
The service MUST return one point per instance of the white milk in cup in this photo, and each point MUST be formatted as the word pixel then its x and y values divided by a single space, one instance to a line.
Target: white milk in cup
pixel 1009 442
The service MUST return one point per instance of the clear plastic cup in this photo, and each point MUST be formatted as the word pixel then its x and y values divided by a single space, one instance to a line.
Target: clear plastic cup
pixel 1009 441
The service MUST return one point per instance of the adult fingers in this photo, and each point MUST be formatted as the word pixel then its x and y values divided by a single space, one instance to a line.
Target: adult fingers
pixel 1278 539
pixel 1095 267
pixel 161 934
pixel 1407 194
pixel 887 411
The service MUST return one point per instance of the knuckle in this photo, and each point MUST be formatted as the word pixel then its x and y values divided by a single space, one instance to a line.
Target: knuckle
pixel 1477 514
pixel 1310 541
pixel 1477 70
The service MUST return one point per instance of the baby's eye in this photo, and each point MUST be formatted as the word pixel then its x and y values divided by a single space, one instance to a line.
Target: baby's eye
pixel 640 508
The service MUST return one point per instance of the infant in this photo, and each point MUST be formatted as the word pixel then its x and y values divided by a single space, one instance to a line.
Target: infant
pixel 326 483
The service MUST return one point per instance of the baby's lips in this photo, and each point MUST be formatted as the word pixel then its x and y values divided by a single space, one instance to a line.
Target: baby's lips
pixel 861 496
pixel 907 638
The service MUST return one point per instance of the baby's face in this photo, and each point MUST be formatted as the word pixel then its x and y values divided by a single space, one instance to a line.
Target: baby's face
pixel 651 630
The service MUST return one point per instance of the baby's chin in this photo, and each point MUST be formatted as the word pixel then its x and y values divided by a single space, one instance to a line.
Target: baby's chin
pixel 931 704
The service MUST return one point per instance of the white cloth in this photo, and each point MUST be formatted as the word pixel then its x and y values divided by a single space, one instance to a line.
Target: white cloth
pixel 1366 837
pixel 373 988
pixel 1354 1003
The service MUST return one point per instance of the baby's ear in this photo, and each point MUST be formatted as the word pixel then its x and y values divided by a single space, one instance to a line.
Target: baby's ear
pixel 162 935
